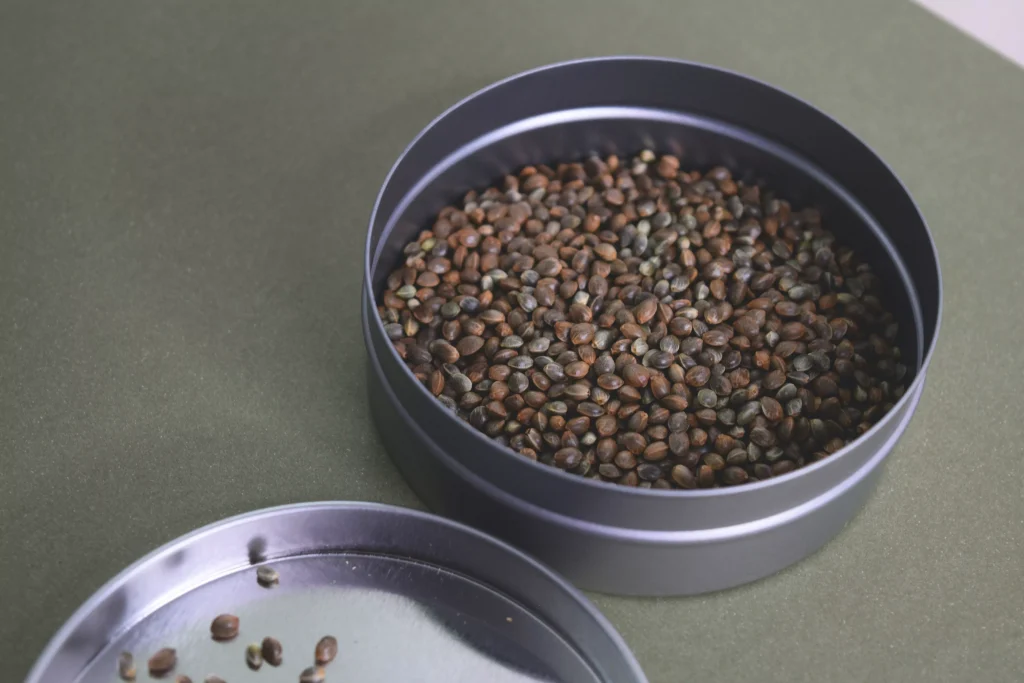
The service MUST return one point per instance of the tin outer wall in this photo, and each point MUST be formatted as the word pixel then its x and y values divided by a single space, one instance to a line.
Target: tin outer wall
pixel 595 534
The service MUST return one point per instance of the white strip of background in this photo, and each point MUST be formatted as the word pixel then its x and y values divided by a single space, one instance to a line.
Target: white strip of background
pixel 999 24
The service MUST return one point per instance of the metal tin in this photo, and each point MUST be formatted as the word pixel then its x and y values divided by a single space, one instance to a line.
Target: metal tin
pixel 408 595
pixel 597 534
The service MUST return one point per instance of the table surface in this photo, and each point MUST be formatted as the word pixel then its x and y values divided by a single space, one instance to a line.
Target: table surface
pixel 184 192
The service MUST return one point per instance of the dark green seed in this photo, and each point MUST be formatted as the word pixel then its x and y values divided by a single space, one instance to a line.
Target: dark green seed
pixel 747 413
pixel 126 666
pixel 715 461
pixel 254 656
pixel 786 393
pixel 648 471
pixel 267 576
pixel 678 422
pixel 707 398
pixel 460 383
pixel 762 437
pixel 678 443
pixel 736 456
pixel 450 310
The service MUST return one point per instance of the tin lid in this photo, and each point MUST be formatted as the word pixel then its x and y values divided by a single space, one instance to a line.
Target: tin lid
pixel 407 595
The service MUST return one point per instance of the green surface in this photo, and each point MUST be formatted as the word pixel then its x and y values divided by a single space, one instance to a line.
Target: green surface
pixel 184 192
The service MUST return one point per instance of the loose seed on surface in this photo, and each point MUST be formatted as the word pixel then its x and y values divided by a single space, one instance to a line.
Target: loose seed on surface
pixel 267 576
pixel 271 651
pixel 126 666
pixel 254 656
pixel 326 650
pixel 313 674
pixel 224 627
pixel 162 662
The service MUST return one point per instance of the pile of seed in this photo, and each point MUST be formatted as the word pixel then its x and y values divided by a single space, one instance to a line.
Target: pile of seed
pixel 637 323
pixel 224 628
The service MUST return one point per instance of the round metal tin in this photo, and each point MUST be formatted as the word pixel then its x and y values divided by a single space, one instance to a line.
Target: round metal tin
pixel 597 534
pixel 409 597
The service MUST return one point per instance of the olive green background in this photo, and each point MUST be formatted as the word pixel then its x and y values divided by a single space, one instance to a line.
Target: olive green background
pixel 184 192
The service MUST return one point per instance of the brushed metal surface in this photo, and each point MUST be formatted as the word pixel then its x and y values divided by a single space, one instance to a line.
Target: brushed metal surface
pixel 710 117
pixel 408 595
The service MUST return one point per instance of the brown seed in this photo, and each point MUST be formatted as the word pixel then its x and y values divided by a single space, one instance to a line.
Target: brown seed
pixel 606 251
pixel 224 627
pixel 656 451
pixel 126 666
pixel 636 375
pixel 787 309
pixel 443 351
pixel 314 674
pixel 577 369
pixel 698 376
pixel 213 679
pixel 715 338
pixel 606 425
pixel 660 386
pixel 824 386
pixel 793 331
pixel 271 651
pixel 436 383
pixel 625 460
pixel 567 458
pixel 734 475
pixel 633 442
pixel 683 477
pixel 182 678
pixel 773 380
pixel 162 662
pixel 645 310
pixel 467 346
pixel 771 408
pixel 582 333
pixel 675 402
pixel 326 650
